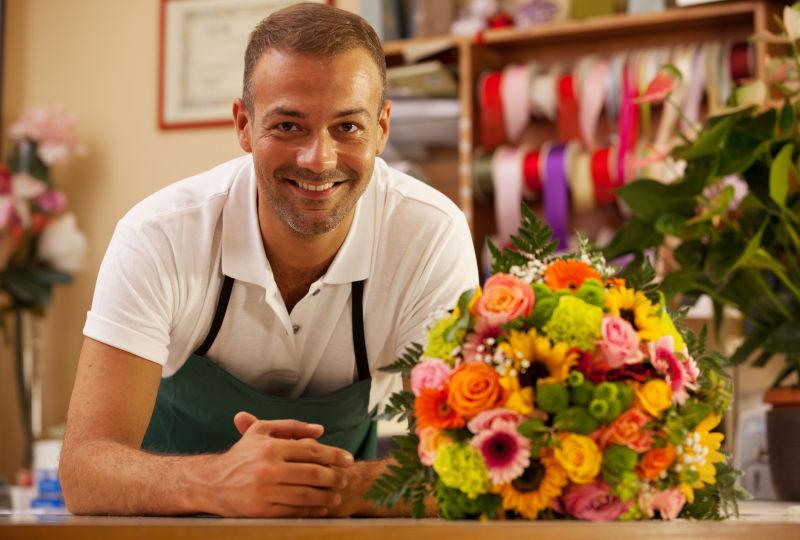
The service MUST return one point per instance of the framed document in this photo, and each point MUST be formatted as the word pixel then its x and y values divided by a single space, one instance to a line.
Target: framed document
pixel 201 60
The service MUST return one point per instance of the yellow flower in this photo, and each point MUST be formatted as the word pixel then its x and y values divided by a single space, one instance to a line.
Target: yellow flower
pixel 532 347
pixel 655 396
pixel 700 452
pixel 519 399
pixel 671 330
pixel 634 307
pixel 529 500
pixel 580 457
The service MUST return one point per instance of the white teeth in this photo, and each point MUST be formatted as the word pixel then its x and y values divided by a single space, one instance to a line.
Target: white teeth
pixel 312 187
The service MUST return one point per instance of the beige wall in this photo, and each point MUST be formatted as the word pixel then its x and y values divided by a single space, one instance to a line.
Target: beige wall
pixel 99 59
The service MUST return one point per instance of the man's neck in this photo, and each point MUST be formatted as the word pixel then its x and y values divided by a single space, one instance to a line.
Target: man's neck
pixel 297 260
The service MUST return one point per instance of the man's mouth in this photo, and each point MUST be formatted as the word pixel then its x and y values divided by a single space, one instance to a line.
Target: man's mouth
pixel 314 187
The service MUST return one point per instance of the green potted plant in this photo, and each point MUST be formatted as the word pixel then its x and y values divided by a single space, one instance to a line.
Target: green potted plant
pixel 732 223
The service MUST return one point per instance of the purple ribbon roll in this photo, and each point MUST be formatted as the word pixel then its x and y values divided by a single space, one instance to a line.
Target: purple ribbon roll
pixel 555 196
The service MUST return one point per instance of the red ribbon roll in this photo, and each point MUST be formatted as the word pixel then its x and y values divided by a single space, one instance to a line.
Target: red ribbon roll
pixel 601 177
pixel 739 62
pixel 492 127
pixel 530 166
pixel 568 128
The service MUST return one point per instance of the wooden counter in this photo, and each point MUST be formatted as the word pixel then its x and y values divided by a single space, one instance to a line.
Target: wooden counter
pixel 758 521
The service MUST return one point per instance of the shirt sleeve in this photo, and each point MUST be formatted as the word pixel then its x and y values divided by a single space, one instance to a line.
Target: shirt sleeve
pixel 449 270
pixel 133 298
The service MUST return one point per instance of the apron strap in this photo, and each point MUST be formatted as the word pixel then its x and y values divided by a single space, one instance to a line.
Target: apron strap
pixel 219 315
pixel 359 345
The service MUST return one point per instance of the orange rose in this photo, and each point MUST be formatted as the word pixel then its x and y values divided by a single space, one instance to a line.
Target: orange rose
pixel 627 430
pixel 655 461
pixel 474 387
pixel 504 298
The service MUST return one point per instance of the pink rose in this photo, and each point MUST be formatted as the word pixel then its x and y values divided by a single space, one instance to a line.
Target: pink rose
pixel 505 297
pixel 667 503
pixel 620 344
pixel 679 371
pixel 487 419
pixel 593 502
pixel 430 373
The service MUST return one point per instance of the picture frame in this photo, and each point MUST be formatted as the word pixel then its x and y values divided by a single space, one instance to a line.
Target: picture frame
pixel 201 58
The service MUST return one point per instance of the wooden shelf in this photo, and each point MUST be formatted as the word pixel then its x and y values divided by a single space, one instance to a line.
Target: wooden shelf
pixel 566 41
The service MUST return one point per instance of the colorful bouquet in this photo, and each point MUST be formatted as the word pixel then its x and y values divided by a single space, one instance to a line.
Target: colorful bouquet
pixel 560 391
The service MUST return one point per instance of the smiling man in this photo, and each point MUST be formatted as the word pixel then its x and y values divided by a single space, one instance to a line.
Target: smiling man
pixel 240 317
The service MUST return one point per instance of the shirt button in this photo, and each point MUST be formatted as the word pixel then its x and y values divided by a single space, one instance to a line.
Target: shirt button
pixel 315 293
pixel 296 328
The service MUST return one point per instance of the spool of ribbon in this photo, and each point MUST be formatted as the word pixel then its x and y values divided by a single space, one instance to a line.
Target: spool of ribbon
pixel 591 100
pixel 614 86
pixel 601 176
pixel 556 194
pixel 543 94
pixel 507 180
pixel 533 179
pixel 711 58
pixel 694 93
pixel 482 175
pixel 581 186
pixel 741 62
pixel 725 81
pixel 514 87
pixel 628 125
pixel 492 132
pixel 567 109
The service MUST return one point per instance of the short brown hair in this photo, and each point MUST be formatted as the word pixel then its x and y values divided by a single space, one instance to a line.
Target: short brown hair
pixel 310 28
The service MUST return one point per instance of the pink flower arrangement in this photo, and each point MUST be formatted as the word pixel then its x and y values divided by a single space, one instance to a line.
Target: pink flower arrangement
pixel 680 373
pixel 620 343
pixel 593 502
pixel 667 503
pixel 506 452
pixel 505 297
pixel 430 373
pixel 53 131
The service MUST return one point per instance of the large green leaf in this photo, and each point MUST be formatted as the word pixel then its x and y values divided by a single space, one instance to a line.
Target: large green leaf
pixel 787 119
pixel 636 235
pixel 757 178
pixel 677 283
pixel 785 338
pixel 709 141
pixel 26 288
pixel 779 175
pixel 690 254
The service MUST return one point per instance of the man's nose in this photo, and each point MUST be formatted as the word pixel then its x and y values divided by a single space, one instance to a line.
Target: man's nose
pixel 318 154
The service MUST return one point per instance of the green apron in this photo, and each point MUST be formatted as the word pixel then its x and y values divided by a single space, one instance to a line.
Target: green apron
pixel 195 407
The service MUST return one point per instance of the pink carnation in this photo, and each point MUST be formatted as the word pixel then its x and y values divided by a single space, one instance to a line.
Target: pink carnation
pixel 487 419
pixel 53 131
pixel 430 373
pixel 505 297
pixel 593 502
pixel 620 344
pixel 679 371
pixel 667 503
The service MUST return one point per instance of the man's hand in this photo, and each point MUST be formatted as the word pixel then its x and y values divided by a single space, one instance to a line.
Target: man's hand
pixel 278 469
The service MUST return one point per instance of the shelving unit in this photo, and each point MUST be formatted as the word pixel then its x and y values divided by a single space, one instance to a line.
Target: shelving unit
pixel 565 42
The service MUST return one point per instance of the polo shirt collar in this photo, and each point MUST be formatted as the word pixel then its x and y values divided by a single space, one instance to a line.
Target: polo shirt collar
pixel 243 256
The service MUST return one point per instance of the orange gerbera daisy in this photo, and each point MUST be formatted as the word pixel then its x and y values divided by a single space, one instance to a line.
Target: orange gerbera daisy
pixel 568 274
pixel 432 410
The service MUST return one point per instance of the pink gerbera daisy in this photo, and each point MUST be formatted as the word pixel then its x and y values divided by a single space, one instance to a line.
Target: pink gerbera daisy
pixel 507 453
pixel 680 373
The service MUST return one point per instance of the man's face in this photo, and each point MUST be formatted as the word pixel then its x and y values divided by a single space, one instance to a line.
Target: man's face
pixel 314 132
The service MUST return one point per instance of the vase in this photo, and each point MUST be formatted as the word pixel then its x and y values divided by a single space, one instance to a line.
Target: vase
pixel 28 378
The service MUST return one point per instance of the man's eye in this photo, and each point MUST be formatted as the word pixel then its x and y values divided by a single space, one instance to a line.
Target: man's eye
pixel 287 127
pixel 349 127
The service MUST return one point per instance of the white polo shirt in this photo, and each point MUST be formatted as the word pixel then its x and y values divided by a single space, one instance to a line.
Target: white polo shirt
pixel 160 280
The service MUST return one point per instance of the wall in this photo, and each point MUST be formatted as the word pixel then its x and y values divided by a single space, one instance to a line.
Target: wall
pixel 98 58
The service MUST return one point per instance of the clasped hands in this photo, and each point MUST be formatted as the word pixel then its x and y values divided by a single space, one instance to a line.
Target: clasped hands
pixel 279 469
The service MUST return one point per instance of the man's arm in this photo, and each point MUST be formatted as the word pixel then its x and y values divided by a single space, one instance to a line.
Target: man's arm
pixel 277 469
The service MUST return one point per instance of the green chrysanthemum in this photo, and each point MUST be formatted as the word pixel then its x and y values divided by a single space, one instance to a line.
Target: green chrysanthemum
pixel 462 467
pixel 575 322
pixel 438 345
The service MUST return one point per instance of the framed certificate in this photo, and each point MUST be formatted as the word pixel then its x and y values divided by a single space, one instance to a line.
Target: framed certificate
pixel 201 63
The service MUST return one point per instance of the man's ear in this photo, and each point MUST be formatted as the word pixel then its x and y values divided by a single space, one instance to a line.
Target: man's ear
pixel 241 120
pixel 383 126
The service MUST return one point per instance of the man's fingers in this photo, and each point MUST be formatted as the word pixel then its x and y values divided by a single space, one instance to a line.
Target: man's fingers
pixel 243 420
pixel 305 496
pixel 310 451
pixel 311 474
pixel 282 429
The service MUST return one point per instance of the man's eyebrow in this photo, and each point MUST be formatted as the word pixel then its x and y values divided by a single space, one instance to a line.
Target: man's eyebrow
pixel 282 111
pixel 357 110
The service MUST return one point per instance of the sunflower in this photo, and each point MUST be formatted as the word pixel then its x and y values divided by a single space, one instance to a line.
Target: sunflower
pixel 535 490
pixel 432 410
pixel 634 307
pixel 529 348
pixel 568 274
pixel 700 453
